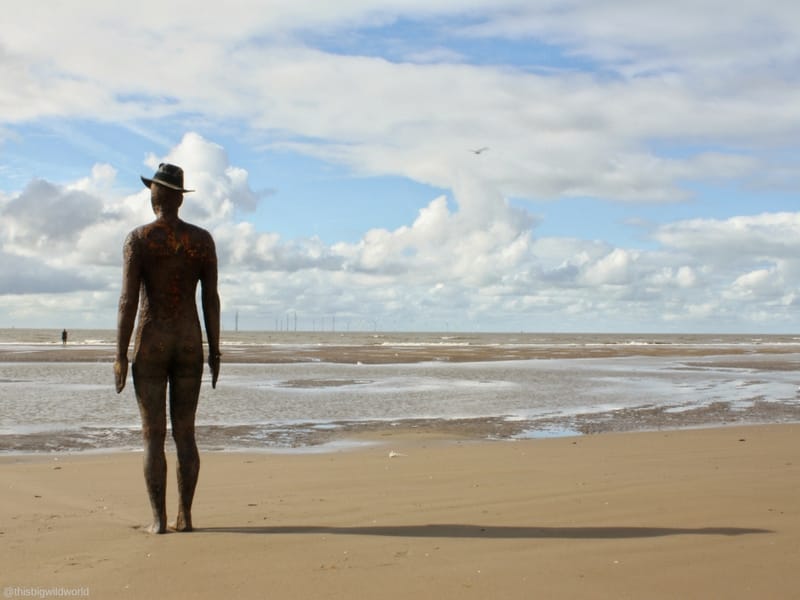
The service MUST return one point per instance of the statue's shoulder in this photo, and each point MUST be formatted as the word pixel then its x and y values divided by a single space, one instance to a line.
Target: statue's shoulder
pixel 198 233
pixel 136 234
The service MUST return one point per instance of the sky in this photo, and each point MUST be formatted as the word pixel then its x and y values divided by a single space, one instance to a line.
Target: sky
pixel 640 171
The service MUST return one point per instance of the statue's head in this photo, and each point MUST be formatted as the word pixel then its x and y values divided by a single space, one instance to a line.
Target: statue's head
pixel 166 189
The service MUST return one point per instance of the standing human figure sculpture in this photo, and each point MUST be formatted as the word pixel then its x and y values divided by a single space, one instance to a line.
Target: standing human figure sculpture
pixel 162 263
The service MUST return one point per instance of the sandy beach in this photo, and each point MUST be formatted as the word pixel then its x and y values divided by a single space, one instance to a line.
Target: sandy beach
pixel 681 514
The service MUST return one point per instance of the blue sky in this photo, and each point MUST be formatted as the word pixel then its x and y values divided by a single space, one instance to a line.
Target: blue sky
pixel 641 172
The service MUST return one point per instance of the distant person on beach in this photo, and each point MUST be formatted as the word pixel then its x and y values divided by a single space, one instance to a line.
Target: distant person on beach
pixel 64 337
pixel 162 263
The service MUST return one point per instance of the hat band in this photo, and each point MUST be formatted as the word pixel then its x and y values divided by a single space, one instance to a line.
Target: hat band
pixel 165 183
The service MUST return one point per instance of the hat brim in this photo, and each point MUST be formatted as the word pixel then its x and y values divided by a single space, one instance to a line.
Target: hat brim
pixel 147 182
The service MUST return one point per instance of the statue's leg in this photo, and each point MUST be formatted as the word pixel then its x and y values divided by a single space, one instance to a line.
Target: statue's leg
pixel 151 396
pixel 183 393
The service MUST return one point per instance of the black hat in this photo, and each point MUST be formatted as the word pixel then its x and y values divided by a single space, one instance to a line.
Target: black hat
pixel 168 175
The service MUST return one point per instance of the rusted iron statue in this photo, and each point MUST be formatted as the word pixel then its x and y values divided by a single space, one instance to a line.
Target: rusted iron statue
pixel 163 262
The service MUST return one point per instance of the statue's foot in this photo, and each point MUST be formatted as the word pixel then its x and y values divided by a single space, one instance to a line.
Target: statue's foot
pixel 182 524
pixel 157 527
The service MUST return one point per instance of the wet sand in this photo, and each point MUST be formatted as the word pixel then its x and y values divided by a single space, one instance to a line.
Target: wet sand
pixel 643 417
pixel 779 357
pixel 683 514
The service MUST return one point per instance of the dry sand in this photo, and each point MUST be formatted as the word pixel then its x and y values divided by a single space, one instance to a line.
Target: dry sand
pixel 684 514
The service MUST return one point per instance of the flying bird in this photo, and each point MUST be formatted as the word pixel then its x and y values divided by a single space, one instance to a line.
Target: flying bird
pixel 480 150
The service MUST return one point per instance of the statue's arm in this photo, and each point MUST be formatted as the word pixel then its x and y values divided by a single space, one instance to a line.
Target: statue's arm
pixel 126 314
pixel 210 301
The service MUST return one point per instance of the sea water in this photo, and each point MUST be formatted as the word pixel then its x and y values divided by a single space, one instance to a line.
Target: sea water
pixel 72 406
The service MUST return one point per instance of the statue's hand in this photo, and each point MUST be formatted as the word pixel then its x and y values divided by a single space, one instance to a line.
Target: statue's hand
pixel 213 363
pixel 120 373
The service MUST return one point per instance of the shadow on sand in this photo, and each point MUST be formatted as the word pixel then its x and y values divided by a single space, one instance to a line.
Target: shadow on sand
pixel 489 531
